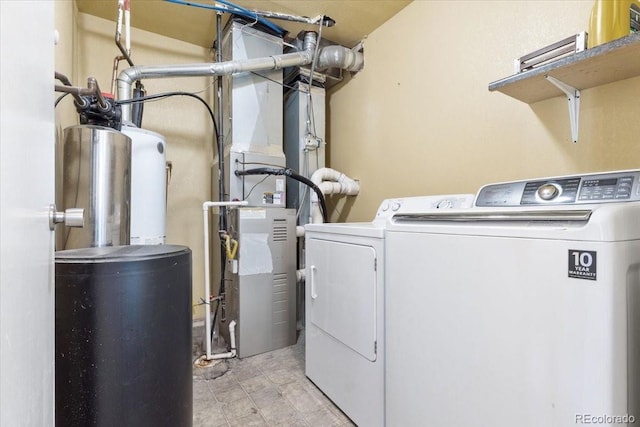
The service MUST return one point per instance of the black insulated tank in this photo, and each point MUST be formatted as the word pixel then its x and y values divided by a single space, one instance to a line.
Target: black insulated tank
pixel 123 336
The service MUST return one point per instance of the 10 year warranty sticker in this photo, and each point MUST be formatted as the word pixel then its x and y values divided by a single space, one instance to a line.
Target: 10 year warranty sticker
pixel 582 264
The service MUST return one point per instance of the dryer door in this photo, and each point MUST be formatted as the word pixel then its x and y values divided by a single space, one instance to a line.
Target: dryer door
pixel 341 299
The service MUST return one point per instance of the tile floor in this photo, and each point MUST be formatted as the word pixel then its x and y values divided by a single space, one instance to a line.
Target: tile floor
pixel 268 389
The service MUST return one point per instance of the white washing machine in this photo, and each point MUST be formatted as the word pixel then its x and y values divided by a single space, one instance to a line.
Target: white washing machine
pixel 523 311
pixel 345 307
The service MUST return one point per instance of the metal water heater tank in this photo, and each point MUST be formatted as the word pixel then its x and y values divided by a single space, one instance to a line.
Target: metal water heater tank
pixel 93 166
pixel 148 186
pixel 123 336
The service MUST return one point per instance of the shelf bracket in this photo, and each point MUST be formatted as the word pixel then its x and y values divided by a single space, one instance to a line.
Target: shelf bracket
pixel 573 96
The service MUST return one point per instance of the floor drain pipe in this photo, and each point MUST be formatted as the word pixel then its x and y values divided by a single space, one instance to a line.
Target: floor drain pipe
pixel 232 353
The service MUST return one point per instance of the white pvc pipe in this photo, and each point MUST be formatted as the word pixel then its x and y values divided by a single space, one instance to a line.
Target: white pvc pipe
pixel 119 19
pixel 127 26
pixel 349 188
pixel 316 214
pixel 207 276
pixel 232 353
pixel 330 181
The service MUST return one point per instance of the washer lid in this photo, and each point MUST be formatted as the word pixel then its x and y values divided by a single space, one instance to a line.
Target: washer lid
pixel 605 222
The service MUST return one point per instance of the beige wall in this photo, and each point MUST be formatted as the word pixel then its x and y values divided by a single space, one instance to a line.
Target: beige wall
pixel 420 120
pixel 66 14
pixel 183 121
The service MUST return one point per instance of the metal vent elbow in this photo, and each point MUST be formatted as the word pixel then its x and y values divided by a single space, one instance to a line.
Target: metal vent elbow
pixel 340 57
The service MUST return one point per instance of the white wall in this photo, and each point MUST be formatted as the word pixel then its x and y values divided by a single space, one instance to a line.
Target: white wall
pixel 26 190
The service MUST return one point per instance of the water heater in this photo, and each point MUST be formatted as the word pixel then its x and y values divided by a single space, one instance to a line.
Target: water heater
pixel 94 169
pixel 148 186
pixel 119 179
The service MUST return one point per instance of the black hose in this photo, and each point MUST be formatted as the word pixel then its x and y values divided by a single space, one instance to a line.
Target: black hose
pixel 213 324
pixel 60 99
pixel 293 175
pixel 221 287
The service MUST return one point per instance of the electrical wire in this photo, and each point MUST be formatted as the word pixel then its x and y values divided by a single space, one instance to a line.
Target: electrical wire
pixel 160 96
pixel 293 175
pixel 60 99
pixel 221 290
pixel 305 172
pixel 252 188
pixel 280 83
pixel 258 163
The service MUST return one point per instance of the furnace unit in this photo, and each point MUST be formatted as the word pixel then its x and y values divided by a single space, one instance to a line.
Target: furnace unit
pixel 261 293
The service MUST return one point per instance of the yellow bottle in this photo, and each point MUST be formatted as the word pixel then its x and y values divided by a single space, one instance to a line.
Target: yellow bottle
pixel 612 19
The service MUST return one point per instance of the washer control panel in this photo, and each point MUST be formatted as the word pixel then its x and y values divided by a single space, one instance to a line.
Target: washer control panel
pixel 390 207
pixel 606 187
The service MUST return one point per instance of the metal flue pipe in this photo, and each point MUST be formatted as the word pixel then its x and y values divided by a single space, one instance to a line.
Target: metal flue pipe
pixel 339 57
pixel 130 75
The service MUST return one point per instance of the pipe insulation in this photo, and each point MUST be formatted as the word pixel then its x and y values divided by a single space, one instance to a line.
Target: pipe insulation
pixel 339 57
pixel 130 75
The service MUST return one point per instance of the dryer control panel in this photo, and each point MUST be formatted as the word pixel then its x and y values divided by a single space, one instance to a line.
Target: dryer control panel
pixel 623 186
pixel 390 207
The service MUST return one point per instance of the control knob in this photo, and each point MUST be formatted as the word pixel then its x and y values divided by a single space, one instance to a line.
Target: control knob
pixel 548 191
pixel 444 204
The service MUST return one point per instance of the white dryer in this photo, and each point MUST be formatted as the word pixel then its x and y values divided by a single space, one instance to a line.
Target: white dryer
pixel 523 311
pixel 345 307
